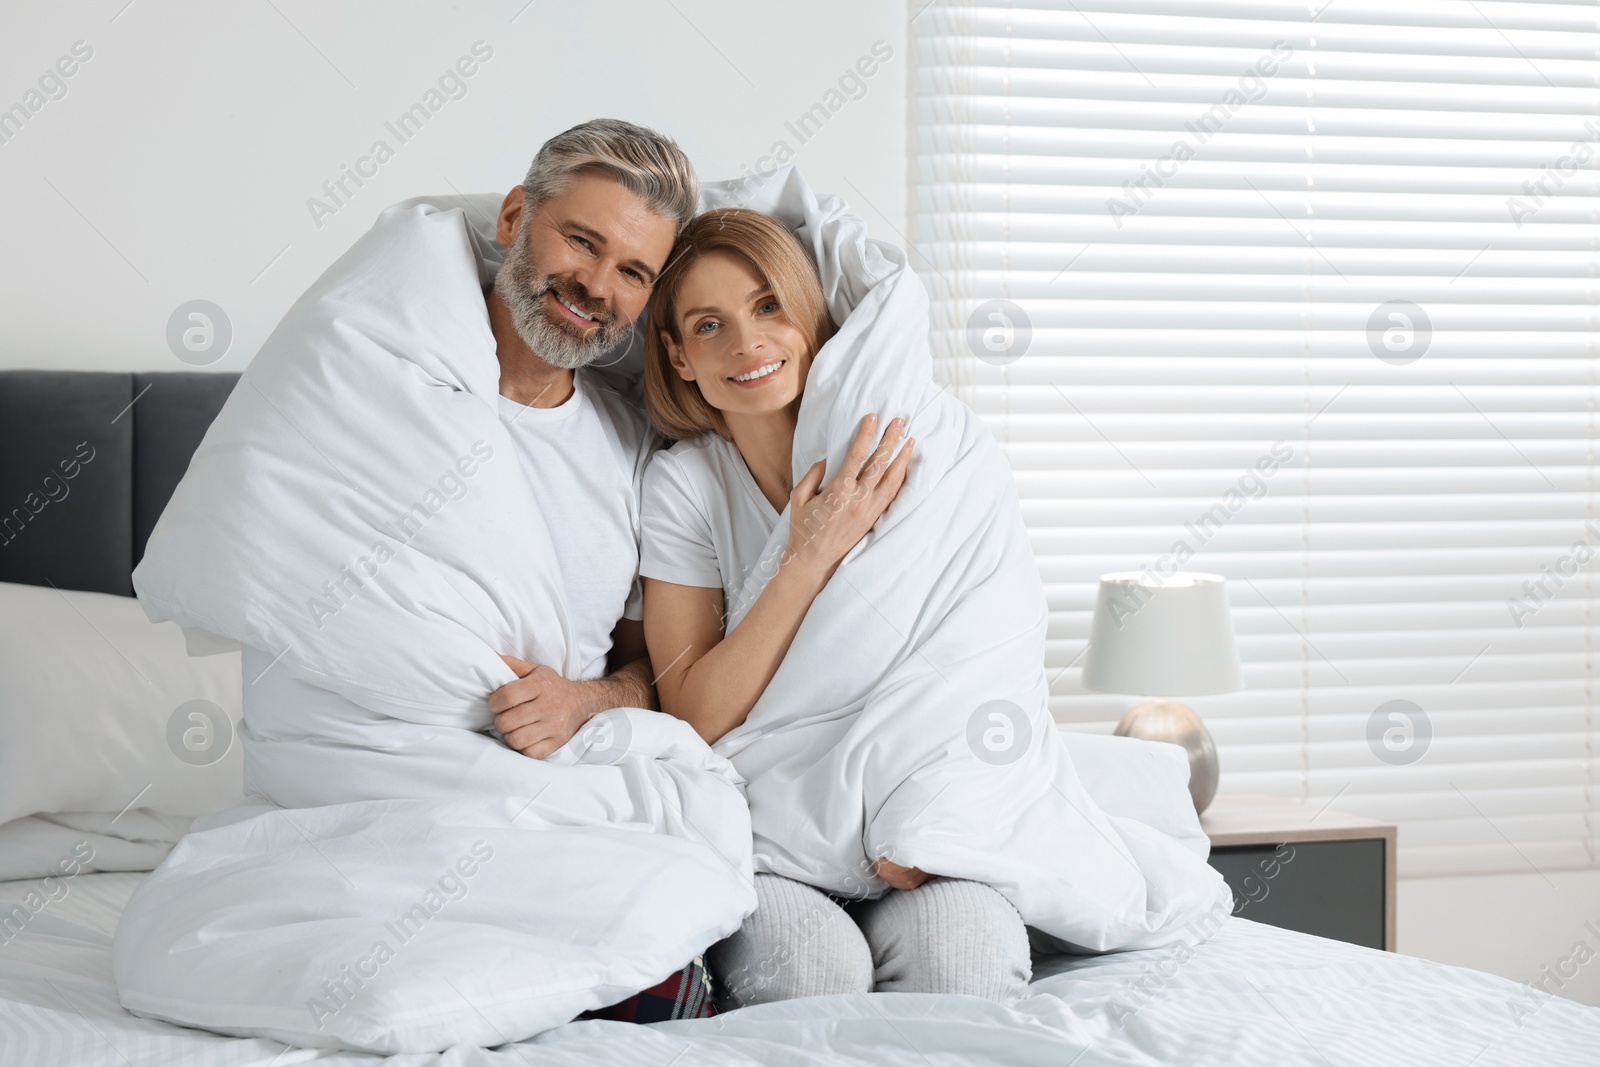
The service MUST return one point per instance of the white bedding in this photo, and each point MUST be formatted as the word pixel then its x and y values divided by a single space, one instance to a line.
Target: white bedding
pixel 1251 995
pixel 378 756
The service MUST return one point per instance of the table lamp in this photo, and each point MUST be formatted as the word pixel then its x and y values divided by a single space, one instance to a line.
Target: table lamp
pixel 1165 637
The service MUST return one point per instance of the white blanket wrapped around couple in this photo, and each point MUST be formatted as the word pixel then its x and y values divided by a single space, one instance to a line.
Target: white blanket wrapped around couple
pixel 909 718
pixel 357 518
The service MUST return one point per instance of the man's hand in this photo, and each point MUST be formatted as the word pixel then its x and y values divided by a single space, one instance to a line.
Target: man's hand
pixel 899 877
pixel 540 711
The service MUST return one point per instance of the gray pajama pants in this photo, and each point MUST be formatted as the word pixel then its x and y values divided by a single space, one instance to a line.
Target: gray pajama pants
pixel 945 936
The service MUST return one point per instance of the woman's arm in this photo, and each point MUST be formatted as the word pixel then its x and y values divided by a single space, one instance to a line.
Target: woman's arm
pixel 711 681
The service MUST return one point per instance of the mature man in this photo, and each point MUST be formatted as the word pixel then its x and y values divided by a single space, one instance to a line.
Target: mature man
pixel 586 234
pixel 396 380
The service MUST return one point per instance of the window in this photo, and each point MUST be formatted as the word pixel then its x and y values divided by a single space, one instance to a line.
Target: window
pixel 1303 294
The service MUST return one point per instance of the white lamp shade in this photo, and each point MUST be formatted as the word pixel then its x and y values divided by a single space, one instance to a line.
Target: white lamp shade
pixel 1169 637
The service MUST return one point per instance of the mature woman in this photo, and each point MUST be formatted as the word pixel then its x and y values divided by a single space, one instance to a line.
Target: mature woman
pixel 735 322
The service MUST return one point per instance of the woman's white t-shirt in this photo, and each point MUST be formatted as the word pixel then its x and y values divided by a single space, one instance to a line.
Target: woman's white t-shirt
pixel 704 521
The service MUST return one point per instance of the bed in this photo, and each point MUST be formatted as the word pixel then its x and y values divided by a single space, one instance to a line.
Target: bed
pixel 1252 994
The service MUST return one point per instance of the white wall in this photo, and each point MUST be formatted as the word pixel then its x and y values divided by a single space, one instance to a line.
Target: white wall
pixel 179 161
pixel 1534 927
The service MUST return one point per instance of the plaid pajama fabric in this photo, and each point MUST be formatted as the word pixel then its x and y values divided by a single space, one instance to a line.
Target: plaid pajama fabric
pixel 686 994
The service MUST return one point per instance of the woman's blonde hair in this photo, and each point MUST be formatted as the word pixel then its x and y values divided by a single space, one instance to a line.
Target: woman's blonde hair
pixel 677 407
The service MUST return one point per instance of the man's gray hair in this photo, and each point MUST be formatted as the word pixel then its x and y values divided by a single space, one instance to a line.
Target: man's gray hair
pixel 646 163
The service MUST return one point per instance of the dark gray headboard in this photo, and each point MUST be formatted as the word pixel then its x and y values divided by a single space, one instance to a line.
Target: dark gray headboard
pixel 87 462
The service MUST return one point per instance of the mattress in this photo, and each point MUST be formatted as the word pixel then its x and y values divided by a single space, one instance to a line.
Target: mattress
pixel 1253 994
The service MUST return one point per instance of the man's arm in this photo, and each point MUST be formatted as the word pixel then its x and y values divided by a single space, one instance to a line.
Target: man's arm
pixel 628 685
pixel 540 711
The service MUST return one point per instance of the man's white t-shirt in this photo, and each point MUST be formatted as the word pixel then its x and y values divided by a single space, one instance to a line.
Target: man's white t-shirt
pixel 705 521
pixel 586 461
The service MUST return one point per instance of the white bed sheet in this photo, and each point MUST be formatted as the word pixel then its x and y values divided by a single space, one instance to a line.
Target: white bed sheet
pixel 1252 995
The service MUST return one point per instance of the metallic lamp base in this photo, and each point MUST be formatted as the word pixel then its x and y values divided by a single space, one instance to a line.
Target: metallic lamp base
pixel 1166 720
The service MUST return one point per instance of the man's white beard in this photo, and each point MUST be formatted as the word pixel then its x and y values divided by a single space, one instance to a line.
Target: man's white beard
pixel 559 344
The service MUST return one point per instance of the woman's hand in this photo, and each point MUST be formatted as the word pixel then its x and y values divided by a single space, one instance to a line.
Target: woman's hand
pixel 711 679
pixel 826 523
pixel 899 877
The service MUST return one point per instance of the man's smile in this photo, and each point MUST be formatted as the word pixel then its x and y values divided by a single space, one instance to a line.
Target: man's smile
pixel 572 311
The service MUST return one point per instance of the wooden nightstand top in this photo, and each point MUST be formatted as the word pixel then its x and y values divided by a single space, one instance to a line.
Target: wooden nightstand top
pixel 1257 819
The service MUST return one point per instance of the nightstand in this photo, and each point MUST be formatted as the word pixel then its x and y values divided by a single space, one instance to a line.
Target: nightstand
pixel 1306 868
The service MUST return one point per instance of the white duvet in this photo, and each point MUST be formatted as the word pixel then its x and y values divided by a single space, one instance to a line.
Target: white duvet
pixel 909 718
pixel 356 517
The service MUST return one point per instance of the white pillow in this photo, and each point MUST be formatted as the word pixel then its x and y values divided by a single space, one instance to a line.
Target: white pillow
pixel 69 843
pixel 102 710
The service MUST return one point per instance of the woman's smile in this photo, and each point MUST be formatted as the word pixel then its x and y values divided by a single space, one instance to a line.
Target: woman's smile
pixel 758 375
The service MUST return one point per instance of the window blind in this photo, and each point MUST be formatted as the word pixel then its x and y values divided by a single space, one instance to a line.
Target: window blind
pixel 1303 294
